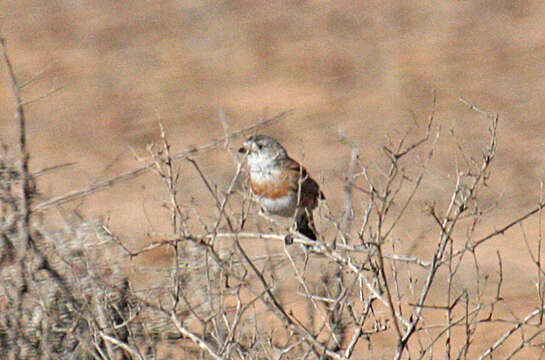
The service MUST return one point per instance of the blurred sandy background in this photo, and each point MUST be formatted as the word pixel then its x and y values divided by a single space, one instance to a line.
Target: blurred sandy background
pixel 363 69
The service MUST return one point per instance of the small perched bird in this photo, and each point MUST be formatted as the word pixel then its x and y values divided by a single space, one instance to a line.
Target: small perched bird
pixel 281 184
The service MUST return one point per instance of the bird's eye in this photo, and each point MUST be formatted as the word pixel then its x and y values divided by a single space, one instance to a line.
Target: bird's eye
pixel 259 146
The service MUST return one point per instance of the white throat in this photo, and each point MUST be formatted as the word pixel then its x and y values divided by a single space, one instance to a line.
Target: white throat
pixel 261 166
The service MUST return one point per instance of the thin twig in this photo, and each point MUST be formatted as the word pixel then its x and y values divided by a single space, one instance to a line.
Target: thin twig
pixel 24 225
pixel 78 194
pixel 193 337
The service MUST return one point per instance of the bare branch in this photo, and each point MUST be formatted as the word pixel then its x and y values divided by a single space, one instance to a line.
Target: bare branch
pixel 78 194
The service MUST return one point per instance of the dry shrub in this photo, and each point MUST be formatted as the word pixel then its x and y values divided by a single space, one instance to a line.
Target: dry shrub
pixel 66 293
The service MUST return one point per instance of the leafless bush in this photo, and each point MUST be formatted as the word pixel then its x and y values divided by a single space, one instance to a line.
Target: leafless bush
pixel 66 293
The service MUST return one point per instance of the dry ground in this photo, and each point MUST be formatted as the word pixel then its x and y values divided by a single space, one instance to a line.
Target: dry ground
pixel 363 70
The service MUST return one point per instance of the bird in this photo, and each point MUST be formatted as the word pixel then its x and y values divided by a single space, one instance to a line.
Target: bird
pixel 282 186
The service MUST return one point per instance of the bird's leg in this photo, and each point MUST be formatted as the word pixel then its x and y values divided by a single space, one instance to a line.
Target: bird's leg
pixel 288 239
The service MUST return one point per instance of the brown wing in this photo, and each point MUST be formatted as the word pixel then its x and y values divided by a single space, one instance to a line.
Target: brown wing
pixel 310 190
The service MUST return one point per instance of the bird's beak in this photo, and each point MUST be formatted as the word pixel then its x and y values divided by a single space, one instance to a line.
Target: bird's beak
pixel 242 150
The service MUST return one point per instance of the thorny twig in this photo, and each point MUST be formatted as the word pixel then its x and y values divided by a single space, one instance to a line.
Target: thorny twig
pixel 220 290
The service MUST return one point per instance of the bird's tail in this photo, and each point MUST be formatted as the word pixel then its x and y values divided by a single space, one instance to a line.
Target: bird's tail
pixel 305 224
